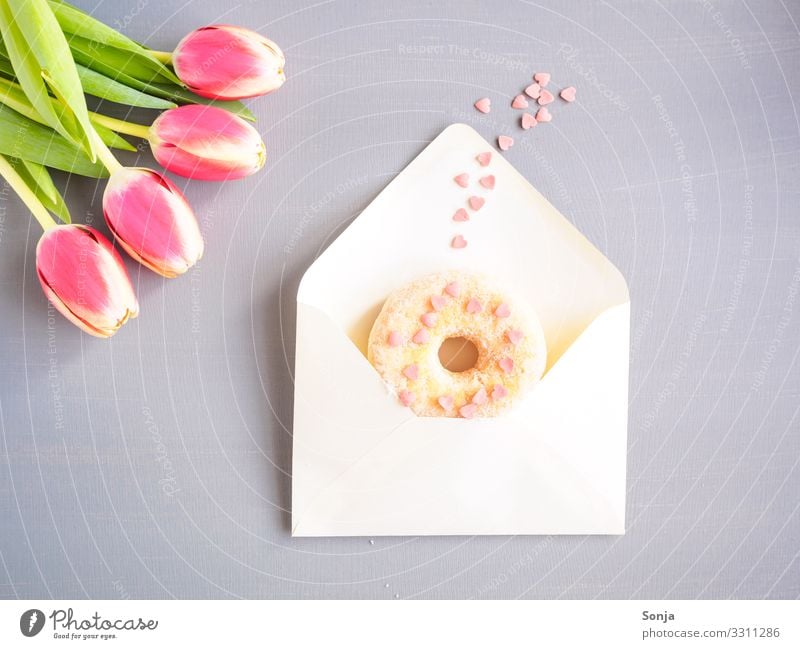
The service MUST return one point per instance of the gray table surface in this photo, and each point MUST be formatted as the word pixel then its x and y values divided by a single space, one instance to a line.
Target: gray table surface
pixel 157 464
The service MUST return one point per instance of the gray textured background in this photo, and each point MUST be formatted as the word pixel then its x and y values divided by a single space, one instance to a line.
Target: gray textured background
pixel 157 464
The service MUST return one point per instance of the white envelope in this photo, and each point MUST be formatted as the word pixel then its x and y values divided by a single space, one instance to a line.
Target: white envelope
pixel 555 464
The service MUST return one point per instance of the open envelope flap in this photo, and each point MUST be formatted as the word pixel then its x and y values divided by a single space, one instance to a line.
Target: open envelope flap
pixel 518 239
pixel 342 407
pixel 549 468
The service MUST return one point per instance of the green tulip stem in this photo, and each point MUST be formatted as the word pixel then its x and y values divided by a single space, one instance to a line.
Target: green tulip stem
pixel 104 153
pixel 38 210
pixel 121 126
pixel 164 57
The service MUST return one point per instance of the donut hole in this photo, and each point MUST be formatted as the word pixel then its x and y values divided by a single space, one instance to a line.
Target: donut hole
pixel 458 354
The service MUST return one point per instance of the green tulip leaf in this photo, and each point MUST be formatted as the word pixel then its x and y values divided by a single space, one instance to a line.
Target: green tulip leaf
pixel 39 177
pixel 182 96
pixel 112 61
pixel 75 22
pixel 110 138
pixel 38 180
pixel 100 86
pixel 22 186
pixel 11 95
pixel 43 64
pixel 21 137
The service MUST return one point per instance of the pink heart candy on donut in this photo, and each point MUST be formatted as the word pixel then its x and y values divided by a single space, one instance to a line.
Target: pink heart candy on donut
pixel 498 392
pixel 453 289
pixel 506 364
pixel 421 337
pixel 429 319
pixel 468 411
pixel 514 336
pixel 480 397
pixel 411 372
pixel 503 311
pixel 438 302
pixel 474 306
pixel 446 401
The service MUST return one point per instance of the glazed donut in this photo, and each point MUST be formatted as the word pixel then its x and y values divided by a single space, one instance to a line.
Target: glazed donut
pixel 416 319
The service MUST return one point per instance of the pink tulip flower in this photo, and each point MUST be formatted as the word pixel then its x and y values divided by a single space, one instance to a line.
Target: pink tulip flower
pixel 83 276
pixel 152 220
pixel 206 142
pixel 226 62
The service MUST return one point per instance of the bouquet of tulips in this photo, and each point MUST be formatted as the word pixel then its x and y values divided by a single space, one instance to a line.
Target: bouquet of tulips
pixel 51 56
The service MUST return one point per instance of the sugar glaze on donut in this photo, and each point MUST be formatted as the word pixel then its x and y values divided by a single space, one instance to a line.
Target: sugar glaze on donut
pixel 416 319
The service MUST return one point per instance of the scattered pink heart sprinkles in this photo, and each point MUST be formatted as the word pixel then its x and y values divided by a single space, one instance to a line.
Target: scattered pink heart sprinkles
pixel 484 105
pixel 536 91
pixel 505 142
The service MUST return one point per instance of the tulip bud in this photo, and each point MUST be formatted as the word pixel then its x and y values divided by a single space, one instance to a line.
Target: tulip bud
pixel 226 62
pixel 206 142
pixel 152 221
pixel 83 276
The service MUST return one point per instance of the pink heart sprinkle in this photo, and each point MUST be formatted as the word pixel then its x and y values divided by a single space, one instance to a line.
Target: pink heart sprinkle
pixel 474 306
pixel 421 337
pixel 506 364
pixel 519 102
pixel 484 158
pixel 411 372
pixel 429 319
pixel 545 98
pixel 395 339
pixel 499 392
pixel 542 78
pixel 568 94
pixel 468 411
pixel 461 215
pixel 476 202
pixel 406 397
pixel 453 289
pixel 543 115
pixel 503 311
pixel 533 90
pixel 458 242
pixel 462 180
pixel 480 397
pixel 484 104
pixel 446 401
pixel 528 121
pixel 438 302
pixel 505 142
pixel 515 336
pixel 487 181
